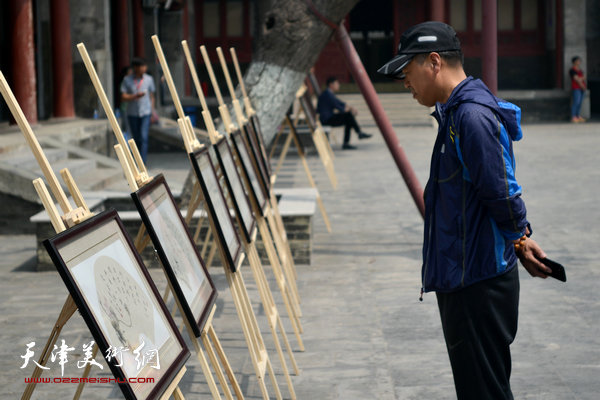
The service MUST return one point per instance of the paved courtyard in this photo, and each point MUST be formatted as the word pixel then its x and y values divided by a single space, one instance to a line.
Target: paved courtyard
pixel 366 334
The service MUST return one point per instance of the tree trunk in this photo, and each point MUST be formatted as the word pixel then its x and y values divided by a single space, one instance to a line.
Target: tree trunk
pixel 290 42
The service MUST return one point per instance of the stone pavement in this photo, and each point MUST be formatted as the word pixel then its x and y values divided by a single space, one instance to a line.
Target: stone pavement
pixel 366 334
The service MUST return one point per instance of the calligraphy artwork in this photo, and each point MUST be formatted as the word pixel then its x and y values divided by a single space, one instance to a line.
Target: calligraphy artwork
pixel 179 256
pixel 235 187
pixel 216 206
pixel 248 170
pixel 118 301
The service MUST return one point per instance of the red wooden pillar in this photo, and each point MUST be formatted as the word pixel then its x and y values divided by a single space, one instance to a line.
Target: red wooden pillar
pixel 438 11
pixel 397 33
pixel 489 44
pixel 558 57
pixel 138 28
pixel 23 57
pixel 121 32
pixel 186 36
pixel 199 29
pixel 62 61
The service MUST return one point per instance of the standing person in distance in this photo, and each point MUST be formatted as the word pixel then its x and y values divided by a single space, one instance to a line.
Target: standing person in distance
pixel 475 219
pixel 326 108
pixel 138 90
pixel 578 87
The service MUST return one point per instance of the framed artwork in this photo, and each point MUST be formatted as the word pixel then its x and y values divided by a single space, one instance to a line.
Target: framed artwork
pixel 311 79
pixel 255 125
pixel 309 111
pixel 235 187
pixel 178 254
pixel 256 157
pixel 120 304
pixel 216 205
pixel 255 190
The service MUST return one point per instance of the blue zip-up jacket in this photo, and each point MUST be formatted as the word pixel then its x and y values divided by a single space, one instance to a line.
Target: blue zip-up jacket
pixel 327 103
pixel 473 205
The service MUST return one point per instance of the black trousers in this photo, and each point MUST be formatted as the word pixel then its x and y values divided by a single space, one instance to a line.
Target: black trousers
pixel 480 323
pixel 346 119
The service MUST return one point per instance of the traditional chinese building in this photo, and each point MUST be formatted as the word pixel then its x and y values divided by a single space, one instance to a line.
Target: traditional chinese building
pixel 535 42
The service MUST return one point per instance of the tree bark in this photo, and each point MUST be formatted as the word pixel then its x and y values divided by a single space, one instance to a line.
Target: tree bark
pixel 291 39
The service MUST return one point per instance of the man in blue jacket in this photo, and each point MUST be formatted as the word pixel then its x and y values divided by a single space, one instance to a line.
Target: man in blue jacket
pixel 327 105
pixel 475 219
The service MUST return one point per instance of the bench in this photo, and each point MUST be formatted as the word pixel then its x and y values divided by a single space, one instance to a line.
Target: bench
pixel 297 208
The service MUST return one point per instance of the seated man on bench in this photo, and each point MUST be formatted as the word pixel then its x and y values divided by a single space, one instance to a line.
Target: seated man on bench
pixel 326 107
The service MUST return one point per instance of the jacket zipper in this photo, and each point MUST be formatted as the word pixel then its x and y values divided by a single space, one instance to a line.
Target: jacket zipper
pixel 426 257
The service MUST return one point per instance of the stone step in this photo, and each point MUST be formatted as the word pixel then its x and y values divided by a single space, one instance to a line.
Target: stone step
pixel 23 158
pixel 76 166
pixel 102 178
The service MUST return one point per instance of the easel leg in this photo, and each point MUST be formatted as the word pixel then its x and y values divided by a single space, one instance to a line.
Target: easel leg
pixel 211 254
pixel 199 353
pixel 276 215
pixel 274 144
pixel 86 373
pixel 254 347
pixel 139 238
pixel 274 382
pixel 284 151
pixel 314 185
pixel 177 395
pixel 207 373
pixel 206 242
pixel 272 314
pixel 285 257
pixel 198 230
pixel 291 306
pixel 173 388
pixel 216 367
pixel 65 314
pixel 219 350
pixel 326 157
pixel 195 200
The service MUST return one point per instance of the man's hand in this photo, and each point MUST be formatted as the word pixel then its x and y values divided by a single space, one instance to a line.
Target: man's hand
pixel 353 110
pixel 530 253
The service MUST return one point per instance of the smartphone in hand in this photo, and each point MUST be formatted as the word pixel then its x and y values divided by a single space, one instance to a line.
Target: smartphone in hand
pixel 558 271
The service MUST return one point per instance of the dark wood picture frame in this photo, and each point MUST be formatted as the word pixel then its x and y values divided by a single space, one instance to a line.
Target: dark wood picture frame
pixel 249 174
pixel 177 252
pixel 79 255
pixel 235 187
pixel 216 205
pixel 256 157
pixel 309 111
pixel 257 130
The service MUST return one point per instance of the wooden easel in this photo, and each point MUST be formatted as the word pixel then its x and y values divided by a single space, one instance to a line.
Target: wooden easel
pixel 272 211
pixel 276 228
pixel 271 253
pixel 250 111
pixel 256 347
pixel 70 217
pixel 293 135
pixel 266 295
pixel 318 135
pixel 137 176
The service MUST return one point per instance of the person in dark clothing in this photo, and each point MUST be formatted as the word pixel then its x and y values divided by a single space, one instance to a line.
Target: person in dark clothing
pixel 475 220
pixel 326 106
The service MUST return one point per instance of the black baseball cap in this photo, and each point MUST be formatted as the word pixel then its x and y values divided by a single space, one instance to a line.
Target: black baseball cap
pixel 422 38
